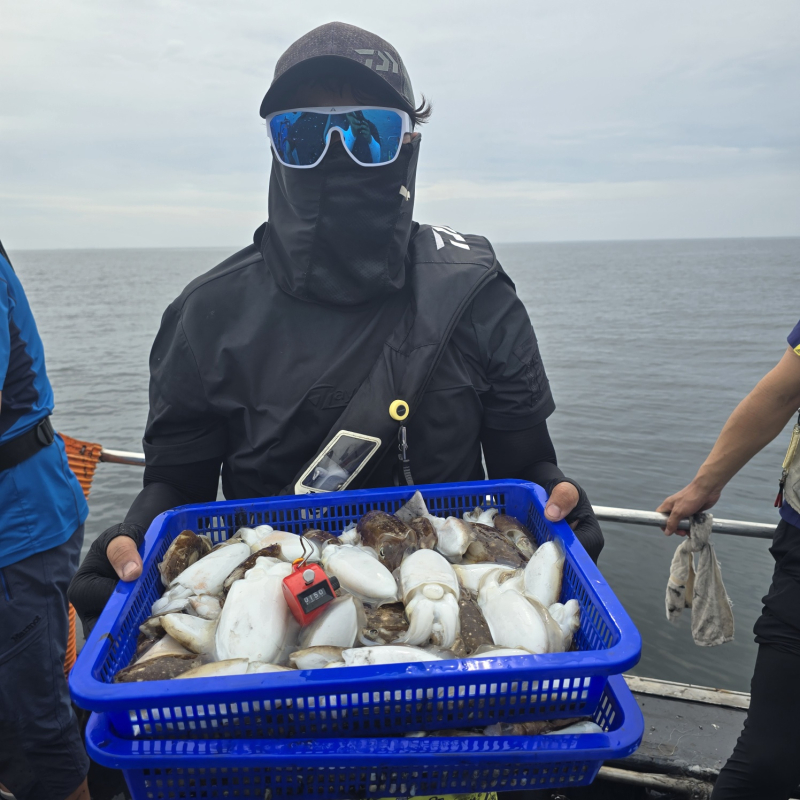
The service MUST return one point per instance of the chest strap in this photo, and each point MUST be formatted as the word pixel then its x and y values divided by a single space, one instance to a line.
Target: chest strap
pixel 445 279
pixel 26 445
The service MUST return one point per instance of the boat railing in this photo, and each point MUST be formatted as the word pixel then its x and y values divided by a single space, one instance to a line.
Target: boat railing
pixel 627 516
pixel 732 527
pixel 122 457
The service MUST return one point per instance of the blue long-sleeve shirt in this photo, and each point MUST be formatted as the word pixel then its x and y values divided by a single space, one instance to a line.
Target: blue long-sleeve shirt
pixel 41 501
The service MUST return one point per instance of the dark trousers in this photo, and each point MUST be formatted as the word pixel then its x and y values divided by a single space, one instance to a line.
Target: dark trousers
pixel 765 764
pixel 41 752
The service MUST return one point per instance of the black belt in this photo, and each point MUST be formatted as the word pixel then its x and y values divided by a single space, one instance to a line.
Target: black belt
pixel 28 444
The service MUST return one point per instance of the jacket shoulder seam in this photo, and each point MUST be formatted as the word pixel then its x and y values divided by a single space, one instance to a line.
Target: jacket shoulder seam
pixel 185 295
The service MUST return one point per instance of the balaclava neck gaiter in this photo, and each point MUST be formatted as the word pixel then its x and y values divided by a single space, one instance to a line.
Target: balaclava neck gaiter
pixel 338 233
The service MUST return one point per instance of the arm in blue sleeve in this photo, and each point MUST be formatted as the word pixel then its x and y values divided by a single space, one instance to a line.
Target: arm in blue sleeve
pixel 5 331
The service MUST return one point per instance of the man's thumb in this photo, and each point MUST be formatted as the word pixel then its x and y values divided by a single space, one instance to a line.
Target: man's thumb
pixel 674 521
pixel 562 500
pixel 124 557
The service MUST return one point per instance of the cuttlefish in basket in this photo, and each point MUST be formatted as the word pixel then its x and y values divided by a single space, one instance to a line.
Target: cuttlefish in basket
pixel 430 592
pixel 388 536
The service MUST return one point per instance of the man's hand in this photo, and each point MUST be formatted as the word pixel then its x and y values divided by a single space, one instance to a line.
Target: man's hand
pixel 686 503
pixel 359 127
pixel 113 555
pixel 568 501
pixel 123 555
pixel 563 499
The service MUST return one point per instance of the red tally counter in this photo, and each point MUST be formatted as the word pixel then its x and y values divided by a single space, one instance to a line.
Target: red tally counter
pixel 308 590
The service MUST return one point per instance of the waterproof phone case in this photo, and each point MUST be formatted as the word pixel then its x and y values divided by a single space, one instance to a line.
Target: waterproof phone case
pixel 340 462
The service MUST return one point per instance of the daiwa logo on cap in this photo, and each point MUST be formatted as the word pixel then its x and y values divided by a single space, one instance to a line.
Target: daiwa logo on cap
pixel 385 60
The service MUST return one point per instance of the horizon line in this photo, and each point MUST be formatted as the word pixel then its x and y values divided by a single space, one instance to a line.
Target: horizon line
pixel 495 242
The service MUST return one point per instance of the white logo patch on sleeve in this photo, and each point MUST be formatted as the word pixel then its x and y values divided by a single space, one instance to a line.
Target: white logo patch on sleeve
pixel 457 240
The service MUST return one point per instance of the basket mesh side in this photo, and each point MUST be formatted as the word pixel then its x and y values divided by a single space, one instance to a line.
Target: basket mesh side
pixel 458 766
pixel 468 703
pixel 341 782
pixel 123 645
pixel 464 775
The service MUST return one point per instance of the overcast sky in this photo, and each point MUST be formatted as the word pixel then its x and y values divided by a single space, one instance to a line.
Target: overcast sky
pixel 136 124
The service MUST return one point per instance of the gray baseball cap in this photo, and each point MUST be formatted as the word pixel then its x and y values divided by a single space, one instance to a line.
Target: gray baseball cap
pixel 336 45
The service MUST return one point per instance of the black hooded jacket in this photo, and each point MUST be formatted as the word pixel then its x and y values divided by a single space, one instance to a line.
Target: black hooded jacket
pixel 247 373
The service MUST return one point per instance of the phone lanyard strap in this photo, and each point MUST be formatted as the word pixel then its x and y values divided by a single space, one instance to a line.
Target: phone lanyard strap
pixel 405 463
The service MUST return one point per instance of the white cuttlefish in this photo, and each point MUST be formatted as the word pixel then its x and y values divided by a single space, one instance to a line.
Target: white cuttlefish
pixel 471 575
pixel 337 626
pixel 544 574
pixel 385 654
pixel 430 592
pixel 453 537
pixel 207 606
pixel 193 633
pixel 568 617
pixel 292 546
pixel 360 572
pixel 480 516
pixel 255 619
pixel 516 620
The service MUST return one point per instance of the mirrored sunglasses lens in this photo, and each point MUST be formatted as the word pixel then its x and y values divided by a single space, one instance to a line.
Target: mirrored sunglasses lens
pixel 373 136
pixel 299 137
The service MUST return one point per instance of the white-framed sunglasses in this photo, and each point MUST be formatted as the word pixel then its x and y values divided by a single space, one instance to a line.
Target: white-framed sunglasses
pixel 372 135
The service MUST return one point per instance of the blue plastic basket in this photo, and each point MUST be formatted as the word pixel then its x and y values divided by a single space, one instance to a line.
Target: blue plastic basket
pixel 369 768
pixel 356 701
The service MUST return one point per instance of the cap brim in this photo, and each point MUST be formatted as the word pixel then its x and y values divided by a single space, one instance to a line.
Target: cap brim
pixel 279 95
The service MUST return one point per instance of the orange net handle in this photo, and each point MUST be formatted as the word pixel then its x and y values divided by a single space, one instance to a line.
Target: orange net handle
pixel 82 458
pixel 72 650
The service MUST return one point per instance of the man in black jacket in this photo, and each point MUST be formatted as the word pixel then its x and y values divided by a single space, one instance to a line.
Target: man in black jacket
pixel 341 299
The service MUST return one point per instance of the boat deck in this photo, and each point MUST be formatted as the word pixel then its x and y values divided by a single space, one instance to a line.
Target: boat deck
pixel 689 730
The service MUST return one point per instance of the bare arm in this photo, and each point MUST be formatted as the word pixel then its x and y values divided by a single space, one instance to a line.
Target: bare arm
pixel 755 422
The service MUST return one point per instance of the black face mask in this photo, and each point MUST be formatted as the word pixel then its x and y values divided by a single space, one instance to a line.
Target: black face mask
pixel 338 233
